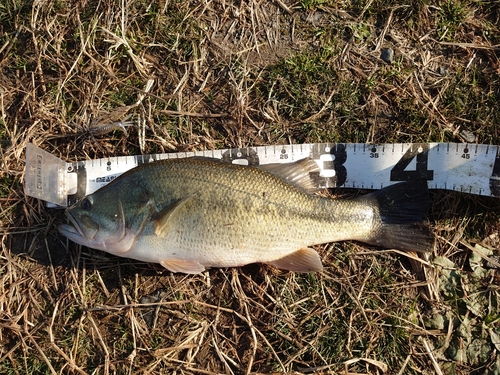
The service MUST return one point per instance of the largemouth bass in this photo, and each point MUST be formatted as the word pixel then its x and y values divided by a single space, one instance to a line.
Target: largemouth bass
pixel 196 213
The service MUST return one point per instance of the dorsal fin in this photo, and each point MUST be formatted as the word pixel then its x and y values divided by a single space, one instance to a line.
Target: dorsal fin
pixel 296 173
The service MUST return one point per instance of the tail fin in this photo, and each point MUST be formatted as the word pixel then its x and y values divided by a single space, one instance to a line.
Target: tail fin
pixel 402 208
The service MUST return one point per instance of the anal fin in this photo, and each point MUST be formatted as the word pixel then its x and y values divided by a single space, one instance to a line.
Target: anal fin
pixel 183 266
pixel 303 260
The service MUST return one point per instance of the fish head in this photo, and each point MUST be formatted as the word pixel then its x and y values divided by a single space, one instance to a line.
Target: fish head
pixel 110 219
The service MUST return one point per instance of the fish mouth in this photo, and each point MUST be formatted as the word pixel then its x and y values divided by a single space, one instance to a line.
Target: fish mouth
pixel 84 230
pixel 69 230
pixel 74 230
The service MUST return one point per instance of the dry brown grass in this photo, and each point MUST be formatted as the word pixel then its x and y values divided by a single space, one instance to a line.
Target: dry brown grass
pixel 235 74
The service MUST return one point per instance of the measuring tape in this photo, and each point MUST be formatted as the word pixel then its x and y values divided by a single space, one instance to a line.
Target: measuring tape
pixel 468 168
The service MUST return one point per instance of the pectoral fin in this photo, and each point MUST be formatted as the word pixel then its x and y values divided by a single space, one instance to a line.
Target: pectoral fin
pixel 184 266
pixel 303 260
pixel 163 219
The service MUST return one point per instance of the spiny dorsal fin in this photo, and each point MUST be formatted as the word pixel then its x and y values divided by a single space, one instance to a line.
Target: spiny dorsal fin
pixel 296 173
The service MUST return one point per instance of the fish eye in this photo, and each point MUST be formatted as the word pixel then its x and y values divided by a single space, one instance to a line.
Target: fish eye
pixel 86 204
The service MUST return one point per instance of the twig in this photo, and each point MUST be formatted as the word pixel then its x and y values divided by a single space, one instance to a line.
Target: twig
pixel 435 364
pixel 284 6
pixel 193 114
pixel 471 45
pixel 382 36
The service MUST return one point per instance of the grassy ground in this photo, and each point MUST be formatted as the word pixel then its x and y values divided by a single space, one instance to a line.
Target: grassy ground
pixel 232 74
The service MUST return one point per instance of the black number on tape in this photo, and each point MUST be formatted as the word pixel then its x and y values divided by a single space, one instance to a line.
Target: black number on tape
pixel 247 155
pixel 340 158
pixel 420 152
pixel 328 164
pixel 81 186
pixel 495 177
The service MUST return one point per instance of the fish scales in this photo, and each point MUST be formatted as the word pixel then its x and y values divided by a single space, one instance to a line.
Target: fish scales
pixel 247 214
pixel 195 213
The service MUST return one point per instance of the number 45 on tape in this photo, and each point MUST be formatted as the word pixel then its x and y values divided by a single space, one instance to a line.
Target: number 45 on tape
pixel 469 168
